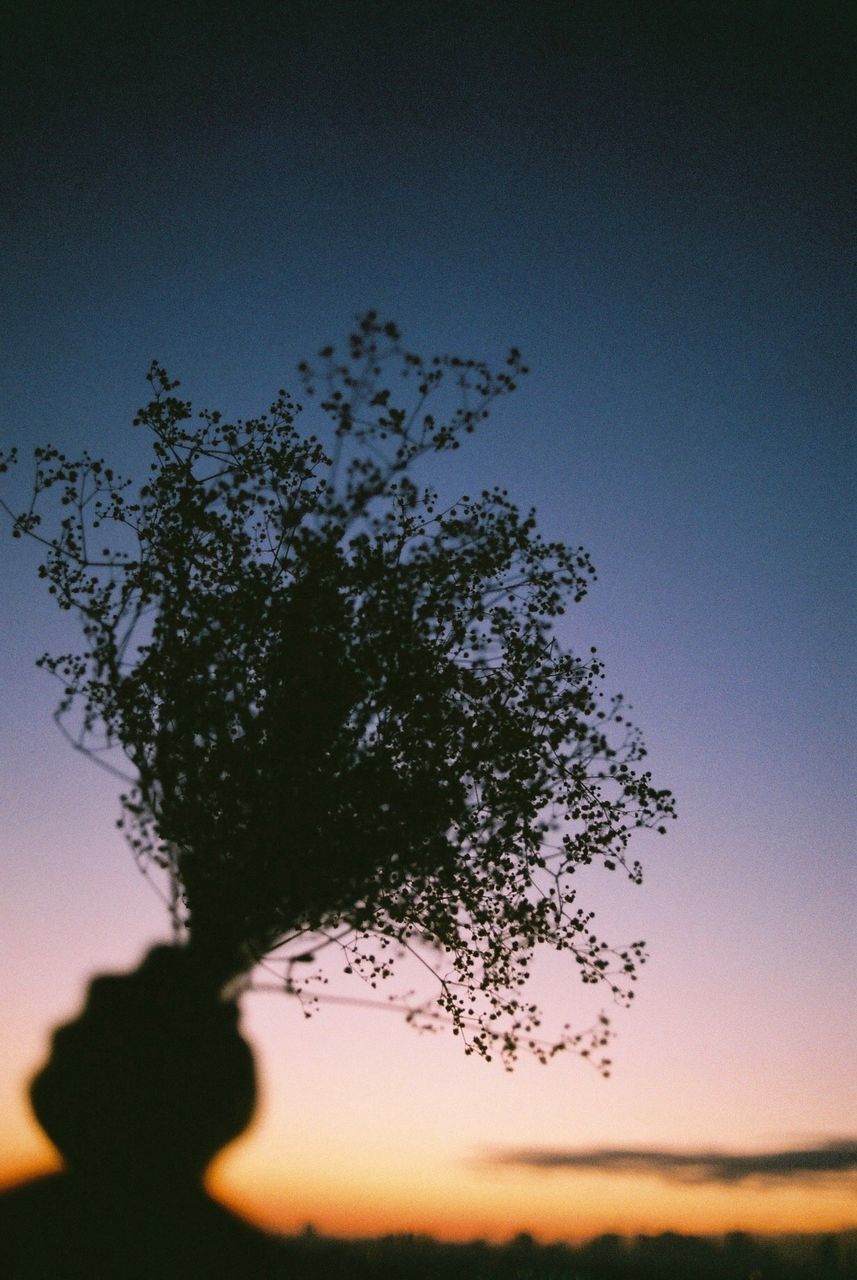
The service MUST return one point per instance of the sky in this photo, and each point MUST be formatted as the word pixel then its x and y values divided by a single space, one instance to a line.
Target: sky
pixel 652 203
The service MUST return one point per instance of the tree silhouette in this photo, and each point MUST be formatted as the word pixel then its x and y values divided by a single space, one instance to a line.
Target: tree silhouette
pixel 349 724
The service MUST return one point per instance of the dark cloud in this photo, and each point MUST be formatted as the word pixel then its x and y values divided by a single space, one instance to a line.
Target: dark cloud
pixel 797 1164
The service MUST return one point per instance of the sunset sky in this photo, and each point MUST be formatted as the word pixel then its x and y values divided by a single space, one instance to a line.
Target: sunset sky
pixel 653 207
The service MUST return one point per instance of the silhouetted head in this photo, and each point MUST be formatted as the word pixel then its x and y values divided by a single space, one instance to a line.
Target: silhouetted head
pixel 151 1080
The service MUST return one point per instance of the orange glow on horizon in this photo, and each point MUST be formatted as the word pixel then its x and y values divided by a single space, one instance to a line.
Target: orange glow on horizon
pixel 574 1210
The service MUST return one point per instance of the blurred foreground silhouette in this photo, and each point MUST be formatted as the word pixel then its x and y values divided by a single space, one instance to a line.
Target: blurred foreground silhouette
pixel 139 1094
pixel 153 1078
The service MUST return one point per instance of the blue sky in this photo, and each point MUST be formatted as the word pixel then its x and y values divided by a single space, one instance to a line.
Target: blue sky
pixel 652 205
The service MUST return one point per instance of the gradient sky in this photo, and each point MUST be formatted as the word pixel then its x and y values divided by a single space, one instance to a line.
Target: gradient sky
pixel 652 203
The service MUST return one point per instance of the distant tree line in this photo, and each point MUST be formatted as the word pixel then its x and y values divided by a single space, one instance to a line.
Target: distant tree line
pixel 670 1256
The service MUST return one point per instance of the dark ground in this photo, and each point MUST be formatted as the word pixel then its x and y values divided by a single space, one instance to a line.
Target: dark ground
pixel 663 1257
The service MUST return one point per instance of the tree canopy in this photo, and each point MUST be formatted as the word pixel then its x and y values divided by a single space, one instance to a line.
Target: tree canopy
pixel 349 724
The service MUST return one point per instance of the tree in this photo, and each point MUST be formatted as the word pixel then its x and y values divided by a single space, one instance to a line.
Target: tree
pixel 349 723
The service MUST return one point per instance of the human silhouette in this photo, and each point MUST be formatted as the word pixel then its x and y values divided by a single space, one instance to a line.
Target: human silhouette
pixel 138 1094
